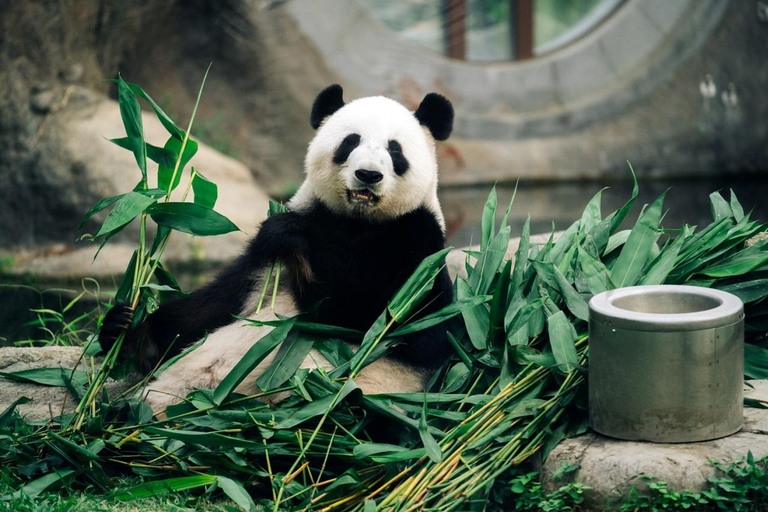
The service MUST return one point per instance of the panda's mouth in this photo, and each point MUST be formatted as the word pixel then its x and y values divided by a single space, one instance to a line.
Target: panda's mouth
pixel 362 196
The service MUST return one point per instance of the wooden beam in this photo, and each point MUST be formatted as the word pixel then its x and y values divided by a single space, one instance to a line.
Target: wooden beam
pixel 522 28
pixel 456 28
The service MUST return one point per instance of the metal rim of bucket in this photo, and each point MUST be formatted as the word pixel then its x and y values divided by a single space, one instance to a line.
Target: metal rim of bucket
pixel 727 308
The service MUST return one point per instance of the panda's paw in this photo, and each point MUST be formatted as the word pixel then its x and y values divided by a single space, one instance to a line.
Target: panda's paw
pixel 117 320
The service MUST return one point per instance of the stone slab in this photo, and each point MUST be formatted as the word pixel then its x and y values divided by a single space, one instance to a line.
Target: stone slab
pixel 47 401
pixel 611 467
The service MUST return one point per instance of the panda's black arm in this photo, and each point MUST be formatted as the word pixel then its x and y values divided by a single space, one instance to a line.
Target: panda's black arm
pixel 182 321
pixel 429 348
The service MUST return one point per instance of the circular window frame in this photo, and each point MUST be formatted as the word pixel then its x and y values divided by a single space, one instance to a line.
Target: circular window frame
pixel 621 60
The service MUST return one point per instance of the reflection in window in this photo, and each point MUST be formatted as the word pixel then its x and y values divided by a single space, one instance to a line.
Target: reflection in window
pixel 420 21
pixel 488 30
pixel 491 30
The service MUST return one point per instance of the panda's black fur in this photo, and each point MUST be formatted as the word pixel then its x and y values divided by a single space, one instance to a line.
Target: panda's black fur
pixel 343 267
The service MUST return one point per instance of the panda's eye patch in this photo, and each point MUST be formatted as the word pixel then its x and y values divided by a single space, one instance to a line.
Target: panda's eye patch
pixel 346 147
pixel 399 162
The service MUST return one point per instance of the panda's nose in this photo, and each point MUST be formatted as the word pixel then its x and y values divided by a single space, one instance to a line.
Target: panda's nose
pixel 368 177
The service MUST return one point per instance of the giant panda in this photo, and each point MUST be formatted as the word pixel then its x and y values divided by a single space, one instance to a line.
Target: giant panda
pixel 366 215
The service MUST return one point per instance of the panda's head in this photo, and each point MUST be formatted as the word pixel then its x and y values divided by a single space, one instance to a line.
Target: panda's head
pixel 372 158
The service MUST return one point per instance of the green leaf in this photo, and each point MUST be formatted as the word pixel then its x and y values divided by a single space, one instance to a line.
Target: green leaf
pixel 601 233
pixel 440 315
pixel 748 291
pixel 130 206
pixel 736 208
pixel 433 449
pixel 206 192
pixel 130 111
pixel 162 116
pixel 191 218
pixel 161 487
pixel 204 438
pixel 743 262
pixel 487 227
pixel 755 362
pixel 290 355
pixel 551 275
pixel 7 414
pixel 97 208
pixel 591 216
pixel 236 492
pixel 719 207
pixel 562 337
pixel 318 407
pixel 660 268
pixel 521 256
pixel 488 265
pixel 164 174
pixel 44 483
pixel 369 341
pixel 159 155
pixel 250 360
pixel 56 377
pixel 499 304
pixel 594 271
pixel 629 266
pixel 476 319
pixel 418 285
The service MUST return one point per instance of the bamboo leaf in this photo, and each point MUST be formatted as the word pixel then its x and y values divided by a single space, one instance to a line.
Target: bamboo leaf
pixel 591 216
pixel 418 285
pixel 595 272
pixel 206 192
pixel 164 173
pixel 719 207
pixel 747 260
pixel 499 304
pixel 487 225
pixel 318 407
pixel 162 116
pixel 369 341
pixel 290 355
pixel 441 315
pixel 748 291
pixel 127 208
pixel 250 360
pixel 161 487
pixel 629 266
pixel 130 111
pixel 755 361
pixel 601 233
pixel 97 208
pixel 44 483
pixel 562 338
pixel 191 218
pixel 158 155
pixel 7 414
pixel 476 319
pixel 430 445
pixel 204 438
pixel 736 208
pixel 660 268
pixel 236 492
pixel 55 377
pixel 488 265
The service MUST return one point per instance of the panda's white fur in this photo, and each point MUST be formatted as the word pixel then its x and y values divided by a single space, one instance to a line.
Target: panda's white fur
pixel 377 120
pixel 207 365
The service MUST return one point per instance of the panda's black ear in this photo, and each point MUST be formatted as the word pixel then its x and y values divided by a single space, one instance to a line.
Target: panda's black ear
pixel 436 113
pixel 327 102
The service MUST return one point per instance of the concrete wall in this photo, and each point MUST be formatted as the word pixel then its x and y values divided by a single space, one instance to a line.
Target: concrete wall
pixel 629 90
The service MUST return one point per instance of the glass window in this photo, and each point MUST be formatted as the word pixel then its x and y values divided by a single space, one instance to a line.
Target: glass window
pixel 420 21
pixel 558 22
pixel 491 30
